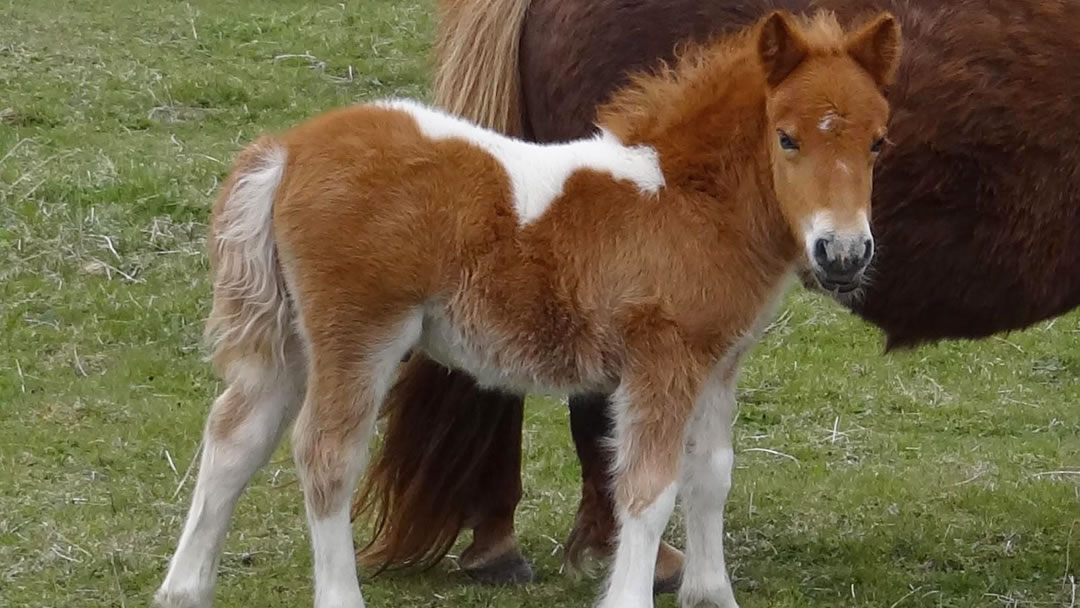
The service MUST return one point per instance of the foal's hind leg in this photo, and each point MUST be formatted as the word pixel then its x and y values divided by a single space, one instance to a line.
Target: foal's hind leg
pixel 243 427
pixel 351 370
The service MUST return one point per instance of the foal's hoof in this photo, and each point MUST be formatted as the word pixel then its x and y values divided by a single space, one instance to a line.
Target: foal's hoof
pixel 173 599
pixel 510 568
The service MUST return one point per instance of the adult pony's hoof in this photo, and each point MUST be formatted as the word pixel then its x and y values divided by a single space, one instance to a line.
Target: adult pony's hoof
pixel 668 584
pixel 510 568
pixel 669 570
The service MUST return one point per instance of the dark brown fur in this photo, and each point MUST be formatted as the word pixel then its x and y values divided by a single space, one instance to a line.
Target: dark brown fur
pixel 977 226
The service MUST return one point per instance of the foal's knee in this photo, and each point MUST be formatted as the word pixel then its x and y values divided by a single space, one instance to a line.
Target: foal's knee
pixel 228 414
pixel 642 482
pixel 708 474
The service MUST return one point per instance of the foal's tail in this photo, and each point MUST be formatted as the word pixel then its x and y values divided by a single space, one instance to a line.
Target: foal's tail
pixel 250 320
pixel 476 55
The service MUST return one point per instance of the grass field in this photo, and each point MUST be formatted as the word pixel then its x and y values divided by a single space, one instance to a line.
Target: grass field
pixel 943 477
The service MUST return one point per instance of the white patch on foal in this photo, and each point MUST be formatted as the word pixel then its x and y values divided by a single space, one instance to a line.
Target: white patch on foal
pixel 827 121
pixel 538 172
pixel 707 467
pixel 334 557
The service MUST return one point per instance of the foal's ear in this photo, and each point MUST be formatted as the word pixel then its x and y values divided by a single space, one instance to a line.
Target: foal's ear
pixel 876 46
pixel 780 47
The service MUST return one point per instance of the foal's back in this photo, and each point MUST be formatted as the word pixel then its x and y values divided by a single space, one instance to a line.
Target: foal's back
pixel 366 193
pixel 402 173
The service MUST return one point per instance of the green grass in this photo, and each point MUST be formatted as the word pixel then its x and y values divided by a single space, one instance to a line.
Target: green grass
pixel 918 479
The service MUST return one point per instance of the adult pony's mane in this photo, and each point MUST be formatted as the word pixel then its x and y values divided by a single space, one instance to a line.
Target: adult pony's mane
pixel 656 100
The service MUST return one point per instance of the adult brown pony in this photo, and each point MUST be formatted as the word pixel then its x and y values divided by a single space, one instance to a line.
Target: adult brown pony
pixel 975 216
pixel 641 261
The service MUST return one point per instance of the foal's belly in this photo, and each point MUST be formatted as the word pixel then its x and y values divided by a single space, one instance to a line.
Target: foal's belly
pixel 496 361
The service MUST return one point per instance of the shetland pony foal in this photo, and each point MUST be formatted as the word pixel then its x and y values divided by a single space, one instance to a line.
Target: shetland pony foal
pixel 643 261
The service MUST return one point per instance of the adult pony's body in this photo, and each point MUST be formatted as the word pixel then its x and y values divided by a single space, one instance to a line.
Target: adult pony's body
pixel 975 216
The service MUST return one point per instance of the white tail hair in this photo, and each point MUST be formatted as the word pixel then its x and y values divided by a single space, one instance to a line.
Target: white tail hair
pixel 250 315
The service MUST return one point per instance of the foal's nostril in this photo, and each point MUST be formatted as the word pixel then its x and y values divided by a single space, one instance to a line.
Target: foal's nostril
pixel 821 254
pixel 868 250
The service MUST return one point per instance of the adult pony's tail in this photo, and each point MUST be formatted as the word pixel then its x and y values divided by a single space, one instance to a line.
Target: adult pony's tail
pixel 435 464
pixel 477 73
pixel 435 472
pixel 249 322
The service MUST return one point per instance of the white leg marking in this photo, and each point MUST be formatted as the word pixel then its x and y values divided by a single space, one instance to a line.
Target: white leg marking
pixel 635 558
pixel 226 466
pixel 706 482
pixel 336 585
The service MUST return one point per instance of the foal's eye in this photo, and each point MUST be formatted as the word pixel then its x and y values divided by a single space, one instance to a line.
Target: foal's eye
pixel 787 142
pixel 876 146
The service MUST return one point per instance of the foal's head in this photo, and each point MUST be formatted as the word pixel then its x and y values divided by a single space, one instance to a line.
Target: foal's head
pixel 826 115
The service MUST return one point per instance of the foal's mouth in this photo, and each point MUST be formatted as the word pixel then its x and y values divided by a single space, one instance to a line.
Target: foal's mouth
pixel 837 289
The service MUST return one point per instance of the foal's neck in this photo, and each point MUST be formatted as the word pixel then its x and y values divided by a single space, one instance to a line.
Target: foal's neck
pixel 707 122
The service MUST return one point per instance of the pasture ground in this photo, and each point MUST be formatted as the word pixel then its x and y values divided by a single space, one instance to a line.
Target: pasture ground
pixel 943 477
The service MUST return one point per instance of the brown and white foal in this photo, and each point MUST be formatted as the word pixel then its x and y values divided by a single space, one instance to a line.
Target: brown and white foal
pixel 643 261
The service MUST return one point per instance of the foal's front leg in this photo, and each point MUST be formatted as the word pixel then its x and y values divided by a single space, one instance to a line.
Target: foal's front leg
pixel 651 412
pixel 709 460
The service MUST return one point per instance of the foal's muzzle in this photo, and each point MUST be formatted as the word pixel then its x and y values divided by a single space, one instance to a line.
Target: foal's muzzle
pixel 839 260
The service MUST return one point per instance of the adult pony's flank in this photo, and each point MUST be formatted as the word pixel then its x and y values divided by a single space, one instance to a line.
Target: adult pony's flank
pixel 976 221
pixel 642 261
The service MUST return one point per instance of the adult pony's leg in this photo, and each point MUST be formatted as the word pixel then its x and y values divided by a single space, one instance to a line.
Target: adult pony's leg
pixel 494 557
pixel 707 468
pixel 445 437
pixel 594 527
pixel 477 76
pixel 351 368
pixel 243 428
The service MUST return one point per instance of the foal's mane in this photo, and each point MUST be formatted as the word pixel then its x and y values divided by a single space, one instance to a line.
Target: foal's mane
pixel 703 74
